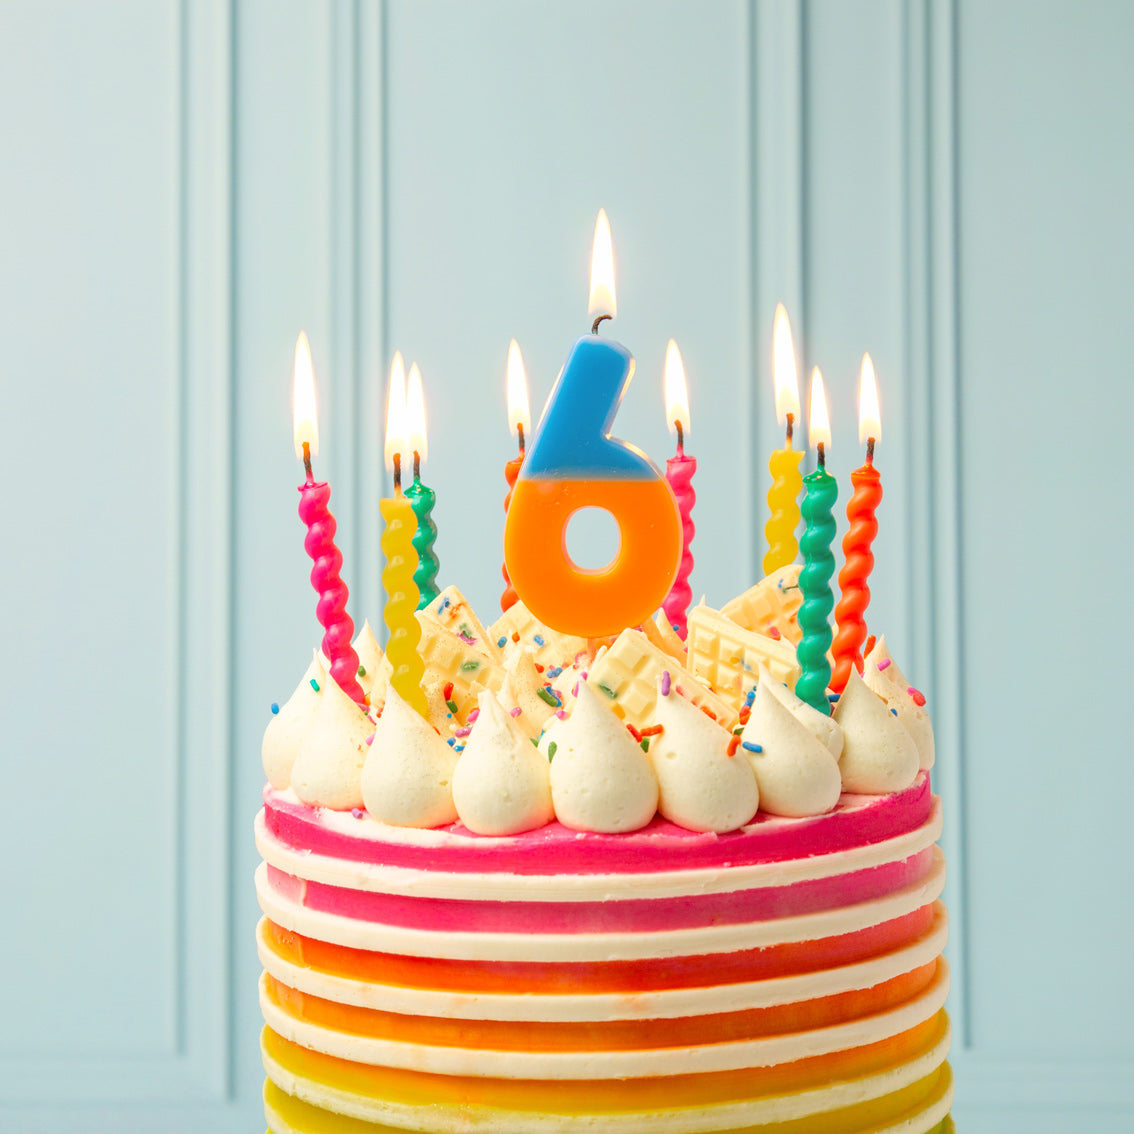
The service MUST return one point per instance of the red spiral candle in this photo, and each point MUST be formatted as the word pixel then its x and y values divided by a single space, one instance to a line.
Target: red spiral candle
pixel 854 596
pixel 679 472
pixel 338 629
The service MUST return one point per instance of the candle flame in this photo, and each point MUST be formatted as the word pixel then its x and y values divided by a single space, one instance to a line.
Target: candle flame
pixel 869 415
pixel 676 391
pixel 396 410
pixel 414 428
pixel 305 419
pixel 602 301
pixel 783 368
pixel 819 428
pixel 519 412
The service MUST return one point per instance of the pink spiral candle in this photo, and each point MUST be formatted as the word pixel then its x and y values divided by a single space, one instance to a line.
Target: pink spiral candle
pixel 679 472
pixel 338 629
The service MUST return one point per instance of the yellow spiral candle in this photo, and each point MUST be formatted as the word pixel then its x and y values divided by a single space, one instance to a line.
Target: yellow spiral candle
pixel 401 599
pixel 783 504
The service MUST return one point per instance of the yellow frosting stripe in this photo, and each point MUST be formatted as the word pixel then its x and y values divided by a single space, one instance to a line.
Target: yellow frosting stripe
pixel 416 1088
pixel 915 1109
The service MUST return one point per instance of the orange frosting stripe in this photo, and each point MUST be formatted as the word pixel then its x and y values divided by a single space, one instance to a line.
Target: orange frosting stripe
pixel 859 1118
pixel 610 976
pixel 606 1035
pixel 419 1088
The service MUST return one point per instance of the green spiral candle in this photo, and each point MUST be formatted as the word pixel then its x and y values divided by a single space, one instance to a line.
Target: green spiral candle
pixel 422 498
pixel 815 584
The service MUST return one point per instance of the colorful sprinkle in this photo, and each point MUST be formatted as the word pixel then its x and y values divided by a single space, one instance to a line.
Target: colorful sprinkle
pixel 832 697
pixel 608 691
pixel 315 685
pixel 515 712
pixel 473 716
pixel 893 712
pixel 546 695
pixel 470 666
pixel 644 745
pixel 362 671
pixel 447 690
pixel 748 746
pixel 733 741
pixel 462 732
pixel 442 604
pixel 917 696
pixel 356 812
pixel 774 633
pixel 451 742
pixel 575 690
pixel 633 732
pixel 561 714
pixel 554 671
pixel 451 706
pixel 502 642
pixel 883 664
pixel 275 709
pixel 552 748
pixel 538 668
pixel 370 739
pixel 665 683
pixel 708 712
pixel 538 640
pixel 750 696
pixel 653 730
pixel 869 645
pixel 467 638
pixel 515 636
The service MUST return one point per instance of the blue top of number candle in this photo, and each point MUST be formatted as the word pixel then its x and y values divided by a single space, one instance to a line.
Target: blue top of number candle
pixel 573 437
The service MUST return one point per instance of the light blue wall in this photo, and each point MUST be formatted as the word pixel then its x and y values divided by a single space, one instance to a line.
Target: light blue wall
pixel 946 183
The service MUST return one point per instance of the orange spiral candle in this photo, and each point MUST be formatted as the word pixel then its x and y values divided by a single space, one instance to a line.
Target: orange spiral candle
pixel 519 421
pixel 854 594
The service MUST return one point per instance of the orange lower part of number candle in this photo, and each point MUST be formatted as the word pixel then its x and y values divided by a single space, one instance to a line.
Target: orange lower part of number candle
pixel 577 600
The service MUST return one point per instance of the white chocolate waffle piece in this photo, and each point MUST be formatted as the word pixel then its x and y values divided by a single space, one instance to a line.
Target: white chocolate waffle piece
pixel 626 679
pixel 517 626
pixel 659 631
pixel 452 611
pixel 727 656
pixel 772 602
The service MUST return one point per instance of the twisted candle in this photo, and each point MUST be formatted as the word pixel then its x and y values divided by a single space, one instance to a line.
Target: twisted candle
pixel 815 584
pixel 679 472
pixel 783 506
pixel 401 599
pixel 422 498
pixel 854 594
pixel 511 472
pixel 338 629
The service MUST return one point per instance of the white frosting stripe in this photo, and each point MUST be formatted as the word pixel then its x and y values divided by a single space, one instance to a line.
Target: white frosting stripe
pixel 580 1006
pixel 764 1051
pixel 338 930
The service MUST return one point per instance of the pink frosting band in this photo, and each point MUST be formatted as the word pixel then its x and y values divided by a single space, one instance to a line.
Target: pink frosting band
pixel 440 915
pixel 858 820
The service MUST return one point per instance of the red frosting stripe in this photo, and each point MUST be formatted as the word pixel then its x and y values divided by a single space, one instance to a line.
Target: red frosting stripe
pixel 608 1035
pixel 641 915
pixel 787 959
pixel 857 821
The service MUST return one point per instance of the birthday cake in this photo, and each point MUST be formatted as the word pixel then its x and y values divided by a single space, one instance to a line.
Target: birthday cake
pixel 630 884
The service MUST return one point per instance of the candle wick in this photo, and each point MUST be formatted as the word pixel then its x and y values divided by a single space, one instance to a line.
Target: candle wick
pixel 397 472
pixel 680 439
pixel 307 461
pixel 822 455
pixel 870 450
pixel 790 428
pixel 598 320
pixel 520 431
pixel 416 466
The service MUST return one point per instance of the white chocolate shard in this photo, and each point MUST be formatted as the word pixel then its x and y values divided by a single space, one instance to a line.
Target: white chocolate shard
pixel 407 780
pixel 773 603
pixel 502 784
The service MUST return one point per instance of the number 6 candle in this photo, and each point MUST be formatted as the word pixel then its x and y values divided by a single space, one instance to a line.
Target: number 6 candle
pixel 854 594
pixel 572 463
pixel 338 629
pixel 818 562
pixel 401 557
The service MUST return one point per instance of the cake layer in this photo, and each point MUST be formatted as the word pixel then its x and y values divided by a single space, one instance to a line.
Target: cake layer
pixel 285 907
pixel 554 850
pixel 469 979
pixel 904 1077
pixel 423 1052
pixel 576 1001
pixel 668 880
